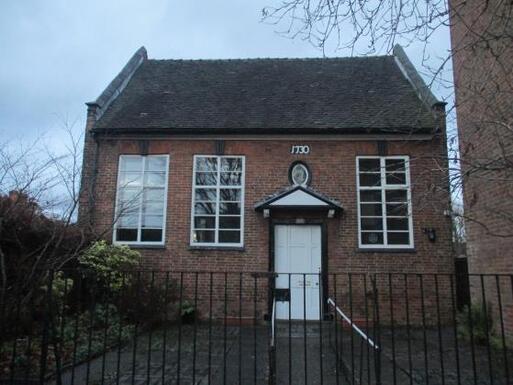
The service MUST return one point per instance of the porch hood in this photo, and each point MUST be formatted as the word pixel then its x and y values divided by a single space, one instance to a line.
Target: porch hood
pixel 298 198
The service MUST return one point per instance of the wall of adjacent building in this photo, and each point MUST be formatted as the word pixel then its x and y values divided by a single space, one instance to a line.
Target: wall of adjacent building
pixel 484 97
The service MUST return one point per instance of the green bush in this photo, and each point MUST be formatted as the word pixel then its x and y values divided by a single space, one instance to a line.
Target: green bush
pixel 474 323
pixel 107 263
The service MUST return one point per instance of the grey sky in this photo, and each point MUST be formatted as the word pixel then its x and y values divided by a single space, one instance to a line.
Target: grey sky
pixel 59 54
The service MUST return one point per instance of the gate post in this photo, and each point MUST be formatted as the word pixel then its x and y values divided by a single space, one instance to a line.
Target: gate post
pixel 272 338
pixel 46 323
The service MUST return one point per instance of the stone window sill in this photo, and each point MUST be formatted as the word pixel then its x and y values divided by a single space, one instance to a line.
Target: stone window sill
pixel 217 248
pixel 139 247
pixel 387 251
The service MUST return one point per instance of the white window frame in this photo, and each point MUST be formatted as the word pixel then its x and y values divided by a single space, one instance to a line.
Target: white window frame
pixel 218 187
pixel 139 224
pixel 383 188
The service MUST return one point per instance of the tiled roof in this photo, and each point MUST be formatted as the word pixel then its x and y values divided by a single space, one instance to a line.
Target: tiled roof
pixel 340 95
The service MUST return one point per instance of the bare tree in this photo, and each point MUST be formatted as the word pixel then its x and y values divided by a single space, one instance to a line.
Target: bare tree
pixel 38 204
pixel 482 56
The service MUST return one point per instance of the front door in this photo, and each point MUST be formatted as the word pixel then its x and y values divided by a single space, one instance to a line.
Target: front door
pixel 297 252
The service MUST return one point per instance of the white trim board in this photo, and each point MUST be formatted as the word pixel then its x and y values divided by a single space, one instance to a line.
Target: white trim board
pixel 299 198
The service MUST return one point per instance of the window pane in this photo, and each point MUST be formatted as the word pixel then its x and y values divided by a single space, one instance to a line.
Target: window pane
pixel 206 164
pixel 229 222
pixel 398 238
pixel 372 223
pixel 131 163
pixel 230 195
pixel 229 236
pixel 394 165
pixel 205 194
pixel 370 179
pixel 129 200
pixel 231 178
pixel 398 209
pixel 396 196
pixel 130 179
pixel 369 165
pixel 203 236
pixel 206 178
pixel 128 221
pixel 127 194
pixel 231 164
pixel 153 208
pixel 374 238
pixel 126 235
pixel 370 209
pixel 204 222
pixel 397 224
pixel 153 221
pixel 205 208
pixel 229 208
pixel 154 179
pixel 370 196
pixel 156 163
pixel 154 194
pixel 151 235
pixel 396 178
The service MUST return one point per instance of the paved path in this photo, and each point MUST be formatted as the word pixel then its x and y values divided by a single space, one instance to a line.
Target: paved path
pixel 210 362
pixel 242 358
pixel 305 347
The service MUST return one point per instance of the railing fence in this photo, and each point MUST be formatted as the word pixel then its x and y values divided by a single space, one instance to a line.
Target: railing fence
pixel 170 327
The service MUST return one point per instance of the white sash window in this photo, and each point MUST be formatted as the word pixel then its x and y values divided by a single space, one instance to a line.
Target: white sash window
pixel 141 199
pixel 218 201
pixel 384 202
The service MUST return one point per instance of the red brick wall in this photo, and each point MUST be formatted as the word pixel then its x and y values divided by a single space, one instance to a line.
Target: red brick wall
pixel 484 96
pixel 333 168
pixel 267 162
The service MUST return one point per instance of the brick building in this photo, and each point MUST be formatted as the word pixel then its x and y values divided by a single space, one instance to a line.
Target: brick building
pixel 483 57
pixel 287 165
pixel 484 95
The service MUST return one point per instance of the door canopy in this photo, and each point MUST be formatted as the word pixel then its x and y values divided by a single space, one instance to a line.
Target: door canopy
pixel 298 198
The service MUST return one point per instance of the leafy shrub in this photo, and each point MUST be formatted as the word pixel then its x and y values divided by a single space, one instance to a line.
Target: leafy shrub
pixel 188 312
pixel 107 262
pixel 75 338
pixel 474 322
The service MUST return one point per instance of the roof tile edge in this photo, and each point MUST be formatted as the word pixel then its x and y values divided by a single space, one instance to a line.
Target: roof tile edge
pixel 411 74
pixel 118 84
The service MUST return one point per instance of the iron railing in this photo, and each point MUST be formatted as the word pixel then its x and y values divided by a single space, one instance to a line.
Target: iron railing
pixel 166 327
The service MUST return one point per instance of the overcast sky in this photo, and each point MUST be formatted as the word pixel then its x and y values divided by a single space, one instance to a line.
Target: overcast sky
pixel 58 54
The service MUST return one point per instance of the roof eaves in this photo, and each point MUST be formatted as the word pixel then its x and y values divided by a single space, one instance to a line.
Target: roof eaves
pixel 421 130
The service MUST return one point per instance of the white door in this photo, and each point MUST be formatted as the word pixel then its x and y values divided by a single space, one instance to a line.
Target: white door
pixel 297 256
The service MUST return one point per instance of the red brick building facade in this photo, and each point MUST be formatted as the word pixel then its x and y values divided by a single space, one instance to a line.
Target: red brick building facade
pixel 483 57
pixel 373 99
pixel 484 95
